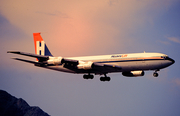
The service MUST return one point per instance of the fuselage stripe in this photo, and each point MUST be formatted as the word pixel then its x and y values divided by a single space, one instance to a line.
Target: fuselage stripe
pixel 129 60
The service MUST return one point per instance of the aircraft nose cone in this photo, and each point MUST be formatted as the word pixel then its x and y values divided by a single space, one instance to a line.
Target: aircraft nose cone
pixel 172 60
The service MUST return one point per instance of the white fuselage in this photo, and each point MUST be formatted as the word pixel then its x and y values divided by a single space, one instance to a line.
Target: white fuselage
pixel 131 65
pixel 128 62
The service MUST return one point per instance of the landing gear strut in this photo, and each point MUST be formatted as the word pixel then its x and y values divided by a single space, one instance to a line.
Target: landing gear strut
pixel 155 74
pixel 105 78
pixel 88 76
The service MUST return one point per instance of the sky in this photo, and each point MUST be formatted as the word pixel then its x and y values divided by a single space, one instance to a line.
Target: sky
pixel 81 28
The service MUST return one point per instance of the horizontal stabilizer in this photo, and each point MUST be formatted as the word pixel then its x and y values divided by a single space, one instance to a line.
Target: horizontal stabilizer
pixel 43 58
pixel 28 61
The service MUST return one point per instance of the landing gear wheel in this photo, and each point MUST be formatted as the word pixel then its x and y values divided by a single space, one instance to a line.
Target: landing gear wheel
pixel 102 78
pixel 88 76
pixel 91 76
pixel 155 74
pixel 108 78
pixel 105 79
pixel 85 76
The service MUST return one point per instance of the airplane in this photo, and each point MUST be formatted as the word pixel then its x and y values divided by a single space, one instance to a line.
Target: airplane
pixel 131 65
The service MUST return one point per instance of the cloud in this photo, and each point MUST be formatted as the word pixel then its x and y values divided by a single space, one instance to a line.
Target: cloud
pixel 56 13
pixel 112 2
pixel 175 82
pixel 84 27
pixel 164 42
pixel 174 39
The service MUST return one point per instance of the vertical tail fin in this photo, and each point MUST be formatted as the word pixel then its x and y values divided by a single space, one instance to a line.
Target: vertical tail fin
pixel 40 46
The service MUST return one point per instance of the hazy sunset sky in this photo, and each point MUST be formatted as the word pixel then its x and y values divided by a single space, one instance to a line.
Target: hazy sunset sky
pixel 92 27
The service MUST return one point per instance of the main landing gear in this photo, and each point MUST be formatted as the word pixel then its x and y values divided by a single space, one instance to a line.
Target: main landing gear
pixel 105 78
pixel 155 74
pixel 88 76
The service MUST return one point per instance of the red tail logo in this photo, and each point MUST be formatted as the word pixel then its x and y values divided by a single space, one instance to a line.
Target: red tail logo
pixel 40 46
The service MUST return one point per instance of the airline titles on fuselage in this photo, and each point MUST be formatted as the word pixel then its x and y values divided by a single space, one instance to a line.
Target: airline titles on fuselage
pixel 116 56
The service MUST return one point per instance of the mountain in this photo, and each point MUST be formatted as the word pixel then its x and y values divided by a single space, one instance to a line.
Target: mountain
pixel 12 106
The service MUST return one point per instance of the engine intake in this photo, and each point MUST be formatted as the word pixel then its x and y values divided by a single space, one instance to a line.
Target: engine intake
pixel 133 73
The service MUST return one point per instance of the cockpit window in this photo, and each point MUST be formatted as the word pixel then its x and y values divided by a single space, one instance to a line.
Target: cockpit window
pixel 164 57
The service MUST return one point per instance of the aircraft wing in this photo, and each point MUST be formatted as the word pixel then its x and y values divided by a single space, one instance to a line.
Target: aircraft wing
pixel 94 67
pixel 105 68
pixel 99 68
pixel 41 57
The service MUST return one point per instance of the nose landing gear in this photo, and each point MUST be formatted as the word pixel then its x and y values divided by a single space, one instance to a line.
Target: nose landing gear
pixel 155 74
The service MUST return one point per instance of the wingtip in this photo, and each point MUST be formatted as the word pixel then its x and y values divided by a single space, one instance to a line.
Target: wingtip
pixel 13 52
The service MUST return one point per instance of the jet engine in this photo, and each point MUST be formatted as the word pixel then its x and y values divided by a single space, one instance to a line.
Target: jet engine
pixel 133 73
pixel 85 65
pixel 55 60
